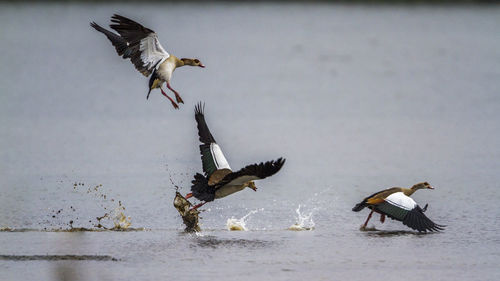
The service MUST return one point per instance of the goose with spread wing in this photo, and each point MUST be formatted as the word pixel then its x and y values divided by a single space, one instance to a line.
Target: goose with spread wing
pixel 396 203
pixel 219 180
pixel 141 45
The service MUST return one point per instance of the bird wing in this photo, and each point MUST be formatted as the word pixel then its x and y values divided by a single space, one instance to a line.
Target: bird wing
pixel 118 42
pixel 212 157
pixel 400 207
pixel 146 52
pixel 253 172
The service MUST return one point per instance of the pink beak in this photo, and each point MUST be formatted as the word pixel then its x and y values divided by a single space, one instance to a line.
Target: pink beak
pixel 201 65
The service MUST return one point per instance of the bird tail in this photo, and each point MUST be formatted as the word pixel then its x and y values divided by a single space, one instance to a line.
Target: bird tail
pixel 201 190
pixel 359 206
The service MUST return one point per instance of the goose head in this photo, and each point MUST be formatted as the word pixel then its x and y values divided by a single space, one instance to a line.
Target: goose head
pixel 251 184
pixel 422 185
pixel 192 62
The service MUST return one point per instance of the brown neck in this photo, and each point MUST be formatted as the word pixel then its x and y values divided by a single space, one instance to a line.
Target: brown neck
pixel 409 191
pixel 185 61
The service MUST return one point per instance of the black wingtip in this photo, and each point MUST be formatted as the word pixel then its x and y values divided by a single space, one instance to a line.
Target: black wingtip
pixel 199 108
pixel 96 26
pixel 280 162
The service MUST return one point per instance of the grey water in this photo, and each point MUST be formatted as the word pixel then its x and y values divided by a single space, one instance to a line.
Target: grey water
pixel 356 98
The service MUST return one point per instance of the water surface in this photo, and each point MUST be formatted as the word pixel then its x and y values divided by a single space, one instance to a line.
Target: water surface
pixel 356 98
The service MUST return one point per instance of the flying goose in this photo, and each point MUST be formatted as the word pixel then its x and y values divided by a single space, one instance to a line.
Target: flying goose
pixel 396 204
pixel 141 45
pixel 219 180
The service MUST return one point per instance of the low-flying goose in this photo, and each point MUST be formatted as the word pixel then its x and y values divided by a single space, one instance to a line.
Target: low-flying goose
pixel 141 45
pixel 219 180
pixel 396 204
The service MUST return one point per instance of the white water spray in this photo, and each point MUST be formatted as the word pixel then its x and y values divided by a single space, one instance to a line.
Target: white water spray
pixel 234 224
pixel 304 221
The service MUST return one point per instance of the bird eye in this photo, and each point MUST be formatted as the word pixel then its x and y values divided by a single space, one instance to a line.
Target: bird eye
pixel 196 61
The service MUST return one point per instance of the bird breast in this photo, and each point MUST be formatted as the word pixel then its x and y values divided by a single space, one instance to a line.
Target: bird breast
pixel 227 190
pixel 166 69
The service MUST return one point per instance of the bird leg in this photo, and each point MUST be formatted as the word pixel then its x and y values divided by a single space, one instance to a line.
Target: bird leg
pixel 199 205
pixel 171 100
pixel 177 96
pixel 367 219
pixel 189 195
pixel 382 218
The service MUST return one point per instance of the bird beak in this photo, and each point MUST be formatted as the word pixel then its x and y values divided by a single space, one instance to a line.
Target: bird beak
pixel 430 187
pixel 201 65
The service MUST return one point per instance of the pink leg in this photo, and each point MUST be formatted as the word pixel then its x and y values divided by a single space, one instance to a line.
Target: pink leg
pixel 177 96
pixel 171 100
pixel 382 218
pixel 199 205
pixel 367 219
pixel 189 195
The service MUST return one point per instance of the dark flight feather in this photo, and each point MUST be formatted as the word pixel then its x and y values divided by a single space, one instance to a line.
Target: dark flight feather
pixel 201 190
pixel 415 218
pixel 261 171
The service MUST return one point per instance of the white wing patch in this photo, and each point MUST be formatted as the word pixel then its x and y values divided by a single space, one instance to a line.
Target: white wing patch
pixel 219 159
pixel 152 53
pixel 399 199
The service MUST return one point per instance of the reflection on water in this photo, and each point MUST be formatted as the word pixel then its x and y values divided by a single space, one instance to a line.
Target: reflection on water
pixel 57 258
pixel 390 233
pixel 215 242
pixel 74 229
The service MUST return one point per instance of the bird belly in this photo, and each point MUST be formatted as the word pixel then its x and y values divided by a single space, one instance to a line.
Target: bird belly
pixel 228 190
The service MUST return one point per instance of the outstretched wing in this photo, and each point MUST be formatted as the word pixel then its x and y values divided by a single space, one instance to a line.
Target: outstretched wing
pixel 145 49
pixel 253 172
pixel 118 42
pixel 400 207
pixel 212 157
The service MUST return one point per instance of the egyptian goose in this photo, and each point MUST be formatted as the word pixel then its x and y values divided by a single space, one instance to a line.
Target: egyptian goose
pixel 219 180
pixel 396 204
pixel 142 47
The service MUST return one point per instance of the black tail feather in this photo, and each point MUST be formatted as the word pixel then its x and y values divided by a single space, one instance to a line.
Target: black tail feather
pixel 359 206
pixel 151 82
pixel 201 190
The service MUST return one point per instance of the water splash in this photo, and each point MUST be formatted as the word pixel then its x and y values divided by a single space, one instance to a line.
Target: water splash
pixel 120 220
pixel 69 219
pixel 303 221
pixel 234 224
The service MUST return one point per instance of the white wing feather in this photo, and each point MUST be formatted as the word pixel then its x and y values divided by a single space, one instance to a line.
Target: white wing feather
pixel 399 199
pixel 152 53
pixel 219 159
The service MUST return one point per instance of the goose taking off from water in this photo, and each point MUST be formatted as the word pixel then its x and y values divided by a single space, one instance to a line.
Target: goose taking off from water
pixel 396 203
pixel 219 180
pixel 141 45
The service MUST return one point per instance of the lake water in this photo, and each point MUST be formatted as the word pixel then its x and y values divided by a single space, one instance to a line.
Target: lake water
pixel 356 98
